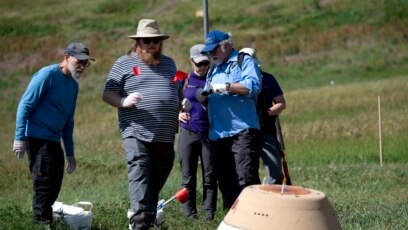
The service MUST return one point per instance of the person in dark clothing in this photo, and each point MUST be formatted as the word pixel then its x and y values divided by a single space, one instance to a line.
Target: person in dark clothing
pixel 270 146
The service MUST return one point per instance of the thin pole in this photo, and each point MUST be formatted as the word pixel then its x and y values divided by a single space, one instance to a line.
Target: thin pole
pixel 205 18
pixel 379 130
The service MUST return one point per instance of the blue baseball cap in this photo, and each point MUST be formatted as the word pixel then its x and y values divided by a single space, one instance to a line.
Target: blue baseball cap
pixel 212 39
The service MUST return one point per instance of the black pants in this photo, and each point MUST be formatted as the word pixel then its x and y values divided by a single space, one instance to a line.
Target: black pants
pixel 236 161
pixel 46 162
pixel 191 147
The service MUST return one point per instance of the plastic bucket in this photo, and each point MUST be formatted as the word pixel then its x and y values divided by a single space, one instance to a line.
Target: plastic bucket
pixel 77 216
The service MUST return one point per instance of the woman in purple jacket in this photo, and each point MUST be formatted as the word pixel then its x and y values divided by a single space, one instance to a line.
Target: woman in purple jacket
pixel 193 140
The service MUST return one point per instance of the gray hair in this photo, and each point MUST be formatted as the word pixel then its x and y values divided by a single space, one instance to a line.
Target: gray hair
pixel 228 40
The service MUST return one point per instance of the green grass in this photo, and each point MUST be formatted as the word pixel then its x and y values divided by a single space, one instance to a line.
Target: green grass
pixel 331 131
pixel 332 148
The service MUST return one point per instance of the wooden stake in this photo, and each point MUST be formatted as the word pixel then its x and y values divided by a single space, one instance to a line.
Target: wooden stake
pixel 379 130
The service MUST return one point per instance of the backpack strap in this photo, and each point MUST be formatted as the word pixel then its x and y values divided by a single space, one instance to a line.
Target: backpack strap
pixel 241 56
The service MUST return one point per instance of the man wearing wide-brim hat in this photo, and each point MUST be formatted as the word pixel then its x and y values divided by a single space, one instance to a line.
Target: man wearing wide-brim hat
pixel 141 85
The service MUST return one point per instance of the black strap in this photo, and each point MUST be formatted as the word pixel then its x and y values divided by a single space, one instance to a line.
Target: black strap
pixel 241 59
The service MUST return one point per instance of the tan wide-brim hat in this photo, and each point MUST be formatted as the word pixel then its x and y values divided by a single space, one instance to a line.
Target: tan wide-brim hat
pixel 148 28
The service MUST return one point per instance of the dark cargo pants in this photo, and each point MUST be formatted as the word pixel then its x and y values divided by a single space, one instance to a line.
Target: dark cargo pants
pixel 46 163
pixel 236 161
pixel 193 146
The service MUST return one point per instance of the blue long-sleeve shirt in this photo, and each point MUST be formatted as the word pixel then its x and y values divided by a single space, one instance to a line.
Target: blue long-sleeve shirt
pixel 230 113
pixel 47 108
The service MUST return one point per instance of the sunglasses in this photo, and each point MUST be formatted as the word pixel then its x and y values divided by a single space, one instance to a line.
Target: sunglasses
pixel 147 41
pixel 84 63
pixel 203 63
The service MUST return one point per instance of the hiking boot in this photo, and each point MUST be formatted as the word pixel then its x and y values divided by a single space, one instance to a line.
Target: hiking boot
pixel 192 216
pixel 142 221
pixel 209 216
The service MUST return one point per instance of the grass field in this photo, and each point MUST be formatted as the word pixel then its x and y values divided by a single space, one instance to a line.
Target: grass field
pixel 332 58
pixel 334 154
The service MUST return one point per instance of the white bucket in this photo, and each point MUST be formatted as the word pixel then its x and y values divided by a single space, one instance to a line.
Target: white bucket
pixel 78 216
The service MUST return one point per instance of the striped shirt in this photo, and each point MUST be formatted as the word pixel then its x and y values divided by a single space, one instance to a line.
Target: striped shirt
pixel 155 117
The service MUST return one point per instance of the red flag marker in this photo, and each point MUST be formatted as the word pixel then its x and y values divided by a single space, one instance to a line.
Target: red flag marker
pixel 180 75
pixel 181 195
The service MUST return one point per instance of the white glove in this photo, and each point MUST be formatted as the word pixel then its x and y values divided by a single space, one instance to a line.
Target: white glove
pixel 131 100
pixel 219 88
pixel 19 148
pixel 185 104
pixel 199 95
pixel 71 166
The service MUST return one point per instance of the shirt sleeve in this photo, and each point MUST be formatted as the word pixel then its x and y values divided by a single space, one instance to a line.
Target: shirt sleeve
pixel 276 90
pixel 35 89
pixel 68 133
pixel 251 76
pixel 114 80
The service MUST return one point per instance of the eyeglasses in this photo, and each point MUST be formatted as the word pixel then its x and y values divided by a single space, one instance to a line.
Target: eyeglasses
pixel 212 52
pixel 84 63
pixel 147 41
pixel 203 63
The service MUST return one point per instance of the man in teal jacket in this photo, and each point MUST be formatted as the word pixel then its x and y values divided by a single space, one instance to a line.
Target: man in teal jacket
pixel 45 115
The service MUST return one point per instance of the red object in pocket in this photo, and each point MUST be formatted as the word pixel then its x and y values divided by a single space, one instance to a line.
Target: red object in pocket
pixel 136 71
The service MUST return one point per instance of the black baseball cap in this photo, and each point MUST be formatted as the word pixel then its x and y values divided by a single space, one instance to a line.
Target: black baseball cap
pixel 79 51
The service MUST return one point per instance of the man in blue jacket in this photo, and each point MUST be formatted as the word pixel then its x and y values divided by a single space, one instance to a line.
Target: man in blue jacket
pixel 234 122
pixel 45 115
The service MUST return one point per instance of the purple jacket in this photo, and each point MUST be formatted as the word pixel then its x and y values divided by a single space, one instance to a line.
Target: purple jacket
pixel 198 122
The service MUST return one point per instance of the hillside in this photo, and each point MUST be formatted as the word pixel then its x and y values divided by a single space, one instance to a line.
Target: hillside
pixel 305 43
